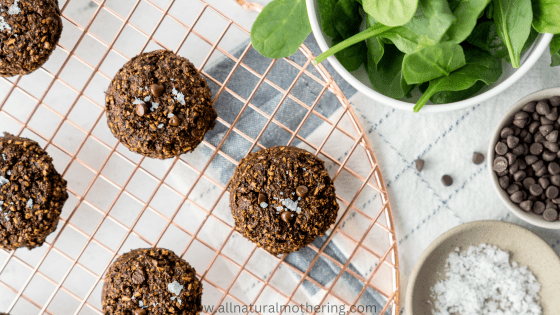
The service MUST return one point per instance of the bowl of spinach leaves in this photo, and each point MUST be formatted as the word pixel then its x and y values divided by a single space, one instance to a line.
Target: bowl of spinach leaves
pixel 434 55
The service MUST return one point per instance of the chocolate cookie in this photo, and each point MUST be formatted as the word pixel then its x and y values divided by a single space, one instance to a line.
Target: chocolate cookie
pixel 32 193
pixel 151 281
pixel 158 105
pixel 282 198
pixel 29 32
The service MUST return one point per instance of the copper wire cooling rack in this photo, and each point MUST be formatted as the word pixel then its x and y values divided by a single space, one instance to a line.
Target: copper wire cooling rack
pixel 120 201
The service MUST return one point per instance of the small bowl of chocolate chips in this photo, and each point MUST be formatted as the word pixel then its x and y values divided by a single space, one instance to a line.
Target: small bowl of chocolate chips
pixel 524 158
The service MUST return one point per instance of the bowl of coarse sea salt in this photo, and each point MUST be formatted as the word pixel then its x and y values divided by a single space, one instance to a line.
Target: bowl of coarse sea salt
pixel 485 267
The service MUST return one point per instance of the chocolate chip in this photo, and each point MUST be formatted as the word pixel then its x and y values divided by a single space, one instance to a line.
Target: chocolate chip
pixel 302 191
pixel 517 197
pixel 552 146
pixel 554 101
pixel 174 121
pixel 140 311
pixel 527 182
pixel 522 164
pixel 519 176
pixel 507 131
pixel 503 181
pixel 555 180
pixel 519 150
pixel 533 127
pixel 197 133
pixel 447 180
pixel 478 158
pixel 501 148
pixel 529 107
pixel 550 205
pixel 538 207
pixel 543 171
pixel 538 137
pixel 141 109
pixel 536 190
pixel 513 168
pixel 545 129
pixel 554 168
pixel 548 156
pixel 138 276
pixel 542 108
pixel 537 165
pixel 526 205
pixel 552 192
pixel 419 164
pixel 500 164
pixel 156 89
pixel 513 188
pixel 550 214
pixel 511 158
pixel 521 115
pixel 544 182
pixel 521 123
pixel 512 141
pixel 553 136
pixel 553 115
pixel 262 198
pixel 536 148
pixel 287 216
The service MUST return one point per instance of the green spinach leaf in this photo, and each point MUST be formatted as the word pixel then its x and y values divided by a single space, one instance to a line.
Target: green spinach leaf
pixel 325 10
pixel 467 13
pixel 439 16
pixel 446 97
pixel 513 22
pixel 386 75
pixel 352 57
pixel 391 12
pixel 280 28
pixel 480 66
pixel 375 45
pixel 432 62
pixel 546 16
pixel 416 33
pixel 346 17
pixel 360 37
pixel 555 51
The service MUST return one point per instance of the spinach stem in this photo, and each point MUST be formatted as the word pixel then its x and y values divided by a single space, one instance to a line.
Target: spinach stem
pixel 374 30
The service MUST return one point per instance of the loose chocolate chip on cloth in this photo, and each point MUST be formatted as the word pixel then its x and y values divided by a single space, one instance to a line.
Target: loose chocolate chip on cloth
pixel 527 160
pixel 29 32
pixel 32 193
pixel 478 158
pixel 301 201
pixel 151 281
pixel 159 106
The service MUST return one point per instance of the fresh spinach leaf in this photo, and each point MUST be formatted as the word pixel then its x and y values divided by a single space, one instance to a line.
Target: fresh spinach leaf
pixel 347 18
pixel 555 51
pixel 386 75
pixel 513 22
pixel 375 45
pixel 467 13
pixel 446 97
pixel 391 12
pixel 490 11
pixel 369 32
pixel 432 62
pixel 480 66
pixel 439 16
pixel 325 10
pixel 546 16
pixel 280 28
pixel 416 33
pixel 352 57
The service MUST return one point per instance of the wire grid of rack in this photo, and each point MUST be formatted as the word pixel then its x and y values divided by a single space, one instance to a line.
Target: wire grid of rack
pixel 120 201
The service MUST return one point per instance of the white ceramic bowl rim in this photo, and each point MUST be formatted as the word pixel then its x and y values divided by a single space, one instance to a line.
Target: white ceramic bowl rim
pixel 429 108
pixel 529 217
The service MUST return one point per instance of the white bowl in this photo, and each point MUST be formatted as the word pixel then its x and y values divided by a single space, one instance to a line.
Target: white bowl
pixel 359 78
pixel 530 217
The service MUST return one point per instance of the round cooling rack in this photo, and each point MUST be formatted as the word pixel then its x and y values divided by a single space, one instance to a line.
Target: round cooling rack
pixel 120 201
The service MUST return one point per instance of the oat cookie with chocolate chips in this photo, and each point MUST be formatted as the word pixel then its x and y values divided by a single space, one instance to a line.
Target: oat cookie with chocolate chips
pixel 29 32
pixel 282 198
pixel 159 106
pixel 32 193
pixel 151 281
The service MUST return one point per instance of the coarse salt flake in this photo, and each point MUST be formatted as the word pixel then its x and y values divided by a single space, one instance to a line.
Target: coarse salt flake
pixel 175 287
pixel 147 98
pixel 263 204
pixel 9 172
pixel 4 156
pixel 30 203
pixel 180 97
pixel 160 126
pixel 170 115
pixel 14 9
pixel 137 101
pixel 4 25
pixel 481 281
pixel 154 106
pixel 3 181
